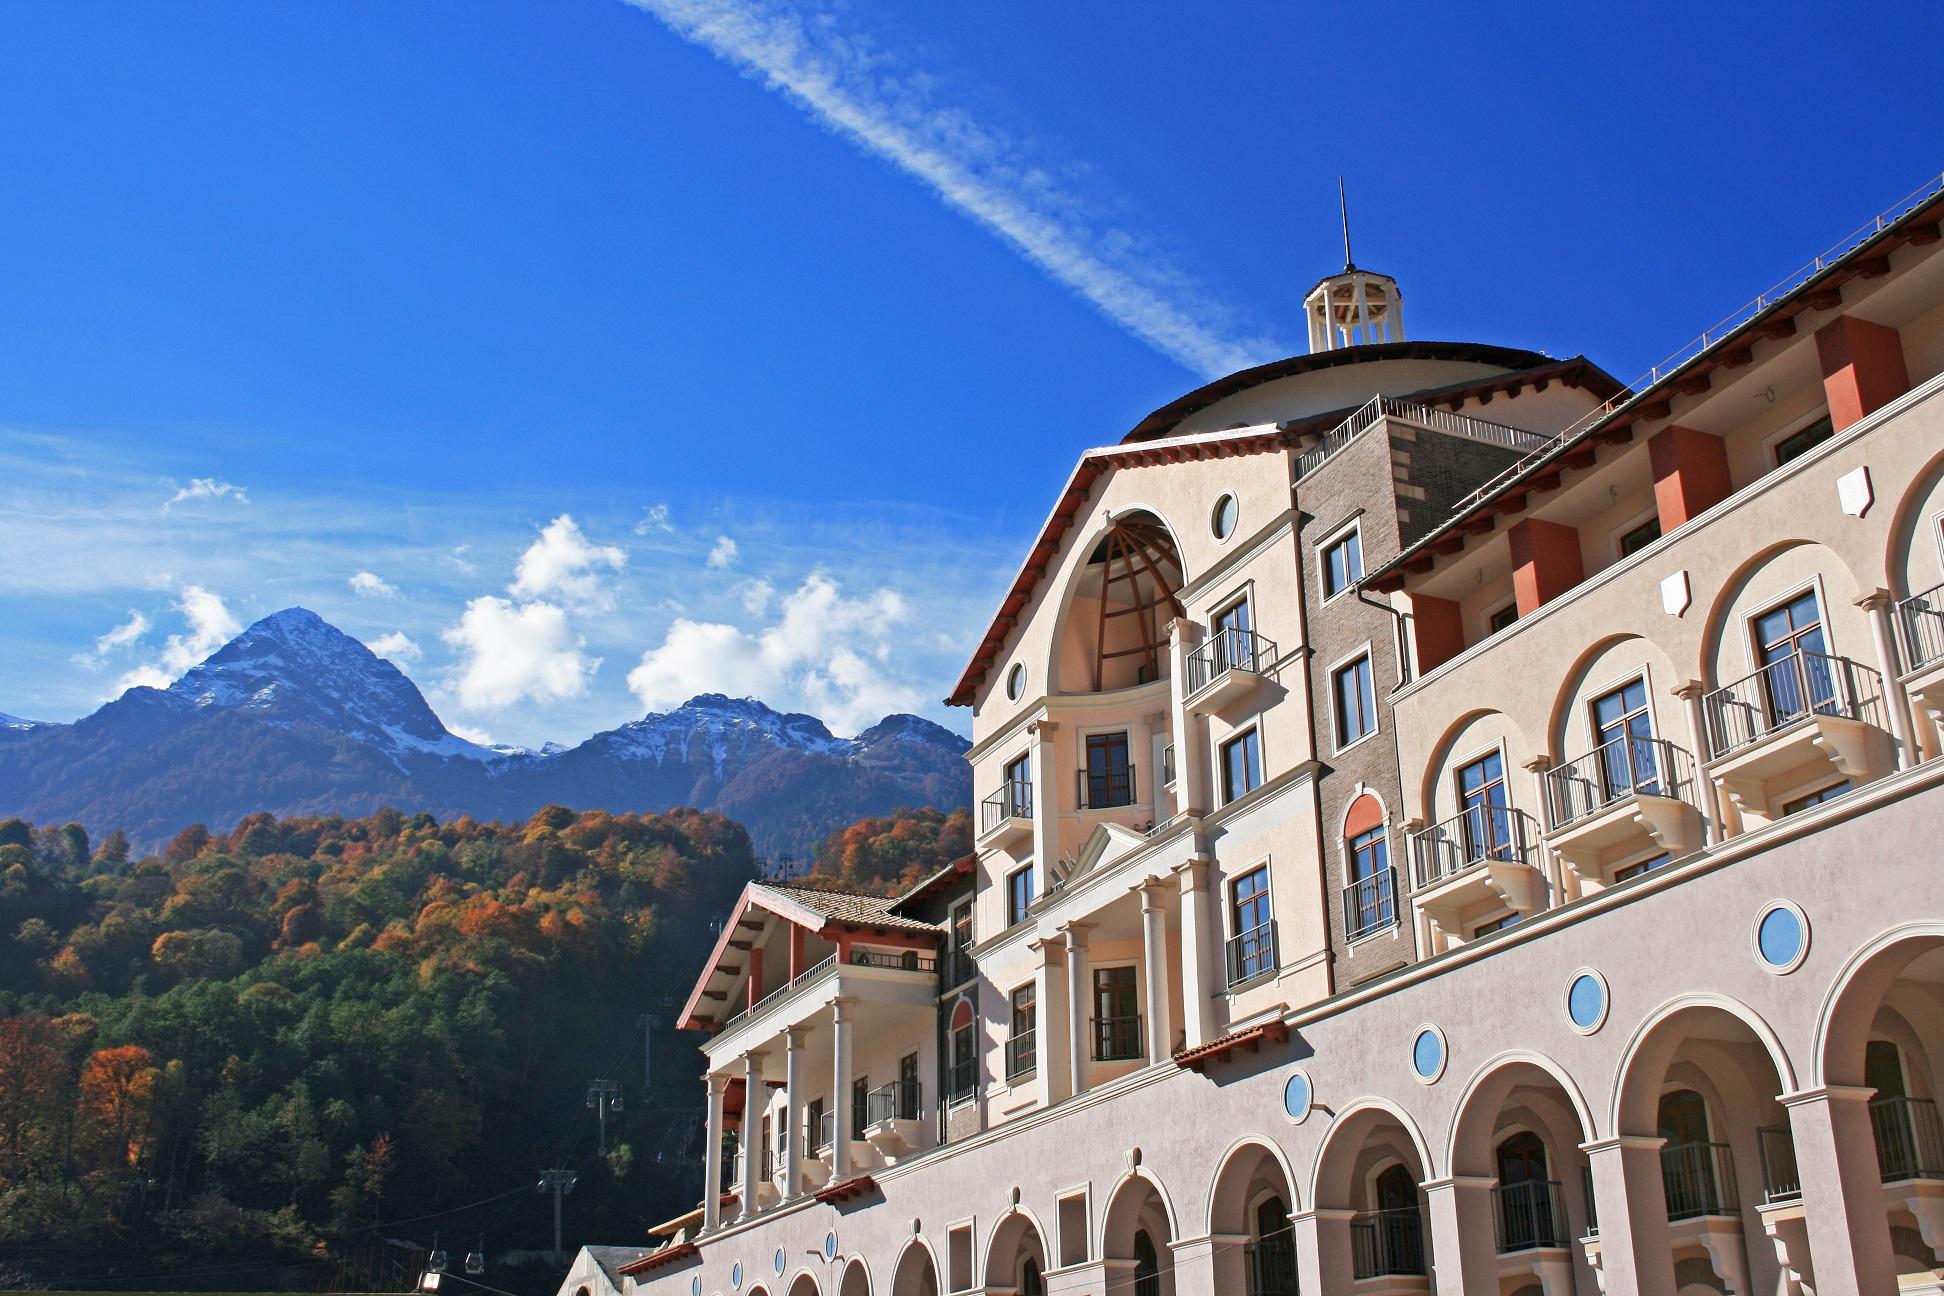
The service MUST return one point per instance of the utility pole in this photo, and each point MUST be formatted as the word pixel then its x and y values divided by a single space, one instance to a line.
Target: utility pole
pixel 559 1183
pixel 647 1052
pixel 604 1096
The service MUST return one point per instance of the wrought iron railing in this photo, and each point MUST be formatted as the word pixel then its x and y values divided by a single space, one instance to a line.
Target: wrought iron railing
pixel 1117 1039
pixel 1623 767
pixel 1022 1055
pixel 1909 1138
pixel 1015 801
pixel 1370 904
pixel 1106 787
pixel 1920 624
pixel 1271 1265
pixel 900 960
pixel 1781 1181
pixel 1699 1179
pixel 1473 836
pixel 1386 1242
pixel 826 1132
pixel 1225 650
pixel 776 1160
pixel 898 1100
pixel 962 1080
pixel 1787 691
pixel 1530 1215
pixel 1252 953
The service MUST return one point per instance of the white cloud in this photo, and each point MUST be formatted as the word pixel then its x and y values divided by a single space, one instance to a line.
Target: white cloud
pixel 471 734
pixel 370 585
pixel 826 654
pixel 206 488
pixel 122 636
pixel 517 652
pixel 396 647
pixel 210 627
pixel 888 106
pixel 654 518
pixel 723 553
pixel 458 562
pixel 756 594
pixel 564 565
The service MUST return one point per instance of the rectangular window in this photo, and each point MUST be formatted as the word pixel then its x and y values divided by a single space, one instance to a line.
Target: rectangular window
pixel 1372 900
pixel 962 1081
pixel 1342 563
pixel 1018 787
pixel 814 1121
pixel 1623 735
pixel 1816 798
pixel 860 1105
pixel 1241 765
pixel 908 1087
pixel 961 951
pixel 1632 542
pixel 1356 708
pixel 1231 641
pixel 1252 947
pixel 1638 867
pixel 1108 779
pixel 1502 618
pixel 1486 829
pixel 1022 1054
pixel 1019 894
pixel 1496 925
pixel 1797 674
pixel 1117 1017
pixel 1801 441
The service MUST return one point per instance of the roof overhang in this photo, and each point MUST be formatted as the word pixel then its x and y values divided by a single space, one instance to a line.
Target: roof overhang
pixel 1216 1050
pixel 661 1258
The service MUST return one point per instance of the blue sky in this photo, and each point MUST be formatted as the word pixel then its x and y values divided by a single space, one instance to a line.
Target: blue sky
pixel 587 354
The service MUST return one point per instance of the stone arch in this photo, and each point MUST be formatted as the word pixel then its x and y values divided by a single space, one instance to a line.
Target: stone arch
pixel 1486 1092
pixel 1843 1024
pixel 857 1278
pixel 1136 548
pixel 1566 739
pixel 804 1284
pixel 916 1273
pixel 1790 563
pixel 1252 1196
pixel 1016 1236
pixel 1139 1204
pixel 1335 1173
pixel 1248 1158
pixel 1910 566
pixel 1652 1047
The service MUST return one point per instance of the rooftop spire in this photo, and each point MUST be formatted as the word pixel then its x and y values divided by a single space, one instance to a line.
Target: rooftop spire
pixel 1343 207
pixel 1353 307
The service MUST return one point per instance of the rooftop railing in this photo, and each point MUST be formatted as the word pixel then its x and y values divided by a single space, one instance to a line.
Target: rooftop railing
pixel 1015 801
pixel 1623 767
pixel 1474 836
pixel 1920 624
pixel 1786 692
pixel 1530 1215
pixel 1370 904
pixel 1380 407
pixel 1387 1242
pixel 1226 650
pixel 902 960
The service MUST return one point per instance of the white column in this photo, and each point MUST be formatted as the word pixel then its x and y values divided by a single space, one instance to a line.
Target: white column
pixel 792 1113
pixel 1046 819
pixel 1636 1256
pixel 712 1157
pixel 1707 796
pixel 1078 1051
pixel 1842 1190
pixel 1154 954
pixel 1188 796
pixel 1160 795
pixel 1464 1257
pixel 750 1137
pixel 1323 1258
pixel 1549 864
pixel 1197 959
pixel 1877 603
pixel 840 1087
pixel 1050 1029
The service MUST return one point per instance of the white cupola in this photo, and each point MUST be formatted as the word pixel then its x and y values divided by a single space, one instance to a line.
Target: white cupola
pixel 1356 306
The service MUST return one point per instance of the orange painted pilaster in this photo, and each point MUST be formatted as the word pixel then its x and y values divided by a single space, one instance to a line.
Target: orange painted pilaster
pixel 1690 474
pixel 1437 633
pixel 755 975
pixel 1862 367
pixel 796 951
pixel 1545 563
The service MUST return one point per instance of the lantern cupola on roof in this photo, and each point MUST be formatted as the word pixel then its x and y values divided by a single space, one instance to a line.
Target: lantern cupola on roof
pixel 1356 306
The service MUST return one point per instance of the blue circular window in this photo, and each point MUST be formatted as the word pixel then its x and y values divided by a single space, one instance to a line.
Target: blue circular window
pixel 1428 1054
pixel 1782 936
pixel 695 1285
pixel 1297 1096
pixel 778 1261
pixel 830 1246
pixel 735 1275
pixel 1586 1001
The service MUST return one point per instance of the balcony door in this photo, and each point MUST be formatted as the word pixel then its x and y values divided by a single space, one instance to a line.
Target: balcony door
pixel 1018 789
pixel 1117 1014
pixel 1109 774
pixel 1525 1193
pixel 1230 642
pixel 1794 656
pixel 1487 826
pixel 1688 1163
pixel 1623 736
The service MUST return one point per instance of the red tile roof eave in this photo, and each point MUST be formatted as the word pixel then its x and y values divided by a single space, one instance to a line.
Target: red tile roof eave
pixel 667 1255
pixel 844 1189
pixel 1194 1059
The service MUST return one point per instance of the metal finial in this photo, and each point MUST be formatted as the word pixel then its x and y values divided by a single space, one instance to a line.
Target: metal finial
pixel 1343 207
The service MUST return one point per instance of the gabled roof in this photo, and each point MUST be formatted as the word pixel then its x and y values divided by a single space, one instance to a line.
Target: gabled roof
pixel 611 1259
pixel 936 881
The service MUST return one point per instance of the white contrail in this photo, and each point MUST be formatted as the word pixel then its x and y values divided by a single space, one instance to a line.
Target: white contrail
pixel 881 103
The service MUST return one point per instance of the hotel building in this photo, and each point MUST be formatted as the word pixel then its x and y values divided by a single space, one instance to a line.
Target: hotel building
pixel 1446 821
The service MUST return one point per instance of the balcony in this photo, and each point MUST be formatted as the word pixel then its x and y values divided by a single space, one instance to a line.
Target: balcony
pixel 1388 1244
pixel 893 1123
pixel 1117 1039
pixel 1252 953
pixel 962 1081
pixel 1625 798
pixel 1370 904
pixel 904 978
pixel 1007 817
pixel 1920 630
pixel 1473 864
pixel 1531 1216
pixel 1804 717
pixel 1106 787
pixel 1022 1056
pixel 1699 1179
pixel 1271 1266
pixel 1227 670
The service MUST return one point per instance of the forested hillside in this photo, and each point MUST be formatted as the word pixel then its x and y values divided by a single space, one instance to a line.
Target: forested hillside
pixel 283 1045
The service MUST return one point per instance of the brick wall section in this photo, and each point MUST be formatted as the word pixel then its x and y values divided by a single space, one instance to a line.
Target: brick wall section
pixel 1435 471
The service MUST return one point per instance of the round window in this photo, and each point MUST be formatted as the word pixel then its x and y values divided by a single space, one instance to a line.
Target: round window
pixel 1015 681
pixel 778 1261
pixel 1227 513
pixel 1586 1001
pixel 695 1285
pixel 1428 1054
pixel 735 1275
pixel 830 1246
pixel 1297 1096
pixel 1782 936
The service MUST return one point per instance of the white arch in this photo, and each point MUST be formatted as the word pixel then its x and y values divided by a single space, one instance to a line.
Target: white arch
pixel 1846 977
pixel 1267 1144
pixel 1114 1195
pixel 931 1257
pixel 803 1272
pixel 1763 1032
pixel 1015 1211
pixel 1512 1057
pixel 856 1262
pixel 1384 1106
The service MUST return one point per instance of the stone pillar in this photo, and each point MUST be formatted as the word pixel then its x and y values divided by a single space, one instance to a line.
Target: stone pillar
pixel 1323 1259
pixel 712 1158
pixel 1194 1261
pixel 1464 1236
pixel 1050 1027
pixel 1078 1050
pixel 1154 957
pixel 1877 604
pixel 792 1137
pixel 1197 1004
pixel 1635 1254
pixel 1189 794
pixel 1842 1190
pixel 1862 366
pixel 1706 795
pixel 1545 562
pixel 840 1090
pixel 1046 818
pixel 1548 863
pixel 1437 632
pixel 750 1136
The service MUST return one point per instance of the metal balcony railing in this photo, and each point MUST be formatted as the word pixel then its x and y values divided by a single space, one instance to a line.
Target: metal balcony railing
pixel 957 968
pixel 1106 787
pixel 898 1100
pixel 1387 1242
pixel 804 977
pixel 1788 691
pixel 776 1159
pixel 1530 1215
pixel 1920 625
pixel 1167 766
pixel 1015 801
pixel 1470 837
pixel 1252 953
pixel 902 960
pixel 1022 1055
pixel 1226 650
pixel 826 1132
pixel 1370 904
pixel 1909 1138
pixel 1623 767
pixel 731 1171
pixel 1699 1179
pixel 1271 1265
pixel 1592 1202
pixel 1781 1181
pixel 1117 1039
pixel 962 1080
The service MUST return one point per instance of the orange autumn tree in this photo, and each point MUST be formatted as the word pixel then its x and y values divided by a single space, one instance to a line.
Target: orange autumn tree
pixel 33 1079
pixel 116 1094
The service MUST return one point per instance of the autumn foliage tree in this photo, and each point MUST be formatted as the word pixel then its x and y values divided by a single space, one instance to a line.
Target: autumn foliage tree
pixel 890 852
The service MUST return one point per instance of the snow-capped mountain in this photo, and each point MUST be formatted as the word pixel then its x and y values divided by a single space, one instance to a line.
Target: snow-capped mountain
pixel 14 724
pixel 295 717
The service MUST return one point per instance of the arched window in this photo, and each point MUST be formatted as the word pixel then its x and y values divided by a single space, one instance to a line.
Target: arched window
pixel 1031 1283
pixel 1147 1266
pixel 1370 895
pixel 1690 1162
pixel 1522 1158
pixel 1131 578
pixel 1526 1213
pixel 962 1074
